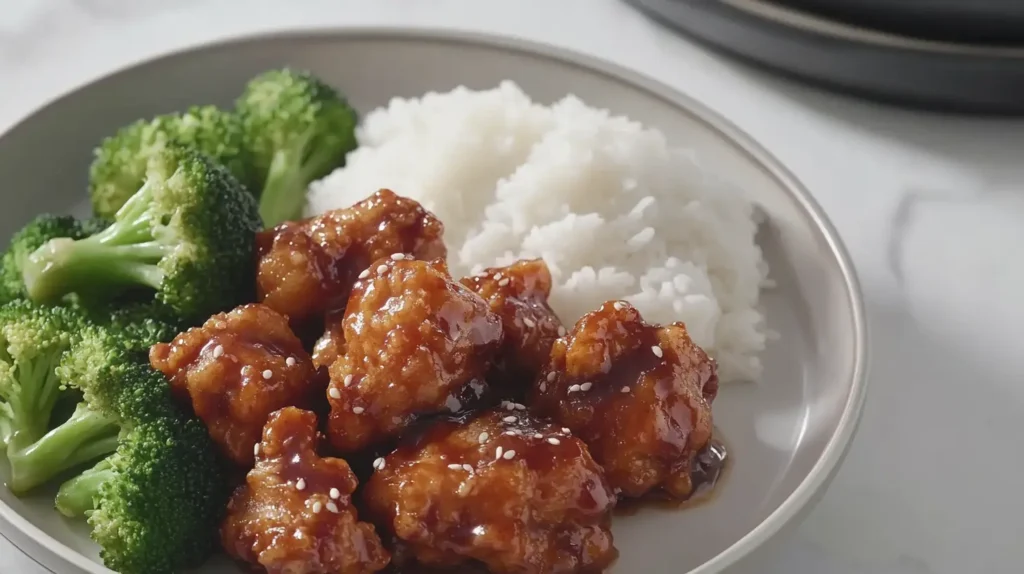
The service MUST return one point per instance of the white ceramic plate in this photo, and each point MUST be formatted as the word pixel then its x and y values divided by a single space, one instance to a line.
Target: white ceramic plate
pixel 787 433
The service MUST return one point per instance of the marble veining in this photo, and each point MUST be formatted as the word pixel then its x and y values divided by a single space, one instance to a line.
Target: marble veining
pixel 931 208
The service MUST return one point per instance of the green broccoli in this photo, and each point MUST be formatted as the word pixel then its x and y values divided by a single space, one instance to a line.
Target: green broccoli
pixel 121 160
pixel 33 340
pixel 154 506
pixel 155 503
pixel 188 233
pixel 31 237
pixel 298 130
pixel 139 325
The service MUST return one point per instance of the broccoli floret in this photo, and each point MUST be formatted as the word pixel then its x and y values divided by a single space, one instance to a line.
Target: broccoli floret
pixel 111 369
pixel 121 160
pixel 33 341
pixel 31 237
pixel 139 325
pixel 298 130
pixel 156 504
pixel 188 233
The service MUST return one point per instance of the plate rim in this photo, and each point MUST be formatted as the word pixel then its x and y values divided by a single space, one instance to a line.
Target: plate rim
pixel 823 470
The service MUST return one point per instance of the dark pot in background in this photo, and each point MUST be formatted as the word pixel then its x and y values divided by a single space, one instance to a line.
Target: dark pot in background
pixel 952 55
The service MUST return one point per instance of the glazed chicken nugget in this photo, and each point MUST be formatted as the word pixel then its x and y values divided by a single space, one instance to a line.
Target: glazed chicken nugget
pixel 518 294
pixel 235 370
pixel 504 489
pixel 294 514
pixel 639 395
pixel 416 343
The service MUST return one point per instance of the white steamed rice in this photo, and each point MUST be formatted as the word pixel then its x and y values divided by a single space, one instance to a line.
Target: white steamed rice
pixel 614 211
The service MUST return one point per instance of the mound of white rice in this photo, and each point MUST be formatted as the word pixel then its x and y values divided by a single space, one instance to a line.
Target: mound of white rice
pixel 614 211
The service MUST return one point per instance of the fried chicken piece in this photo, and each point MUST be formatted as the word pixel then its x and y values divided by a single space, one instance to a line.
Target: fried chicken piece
pixel 307 268
pixel 235 370
pixel 519 495
pixel 639 395
pixel 294 514
pixel 519 295
pixel 416 343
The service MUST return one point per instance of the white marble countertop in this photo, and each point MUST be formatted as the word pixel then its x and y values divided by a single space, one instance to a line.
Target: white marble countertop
pixel 931 208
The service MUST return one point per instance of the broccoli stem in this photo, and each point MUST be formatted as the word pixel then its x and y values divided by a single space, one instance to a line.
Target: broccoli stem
pixel 84 437
pixel 39 391
pixel 284 191
pixel 124 254
pixel 78 496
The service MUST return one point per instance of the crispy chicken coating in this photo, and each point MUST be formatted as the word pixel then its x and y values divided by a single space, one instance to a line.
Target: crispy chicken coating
pixel 519 295
pixel 639 395
pixel 235 370
pixel 518 495
pixel 294 514
pixel 307 268
pixel 416 343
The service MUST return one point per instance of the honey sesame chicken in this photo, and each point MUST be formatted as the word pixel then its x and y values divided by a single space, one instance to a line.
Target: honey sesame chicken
pixel 235 370
pixel 503 489
pixel 519 294
pixel 294 514
pixel 639 395
pixel 416 343
pixel 306 268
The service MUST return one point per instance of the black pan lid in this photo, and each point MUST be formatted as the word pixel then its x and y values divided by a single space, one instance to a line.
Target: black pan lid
pixel 990 22
pixel 882 65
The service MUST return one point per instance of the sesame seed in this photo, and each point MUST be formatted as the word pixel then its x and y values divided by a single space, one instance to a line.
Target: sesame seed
pixel 317 507
pixel 335 493
pixel 554 441
pixel 625 389
pixel 509 433
pixel 290 361
pixel 379 463
pixel 334 393
pixel 508 406
pixel 509 419
pixel 517 432
pixel 497 276
pixel 566 431
pixel 482 438
pixel 520 407
pixel 364 274
pixel 332 507
pixel 538 435
pixel 256 449
pixel 509 455
pixel 586 386
pixel 268 373
pixel 300 484
pixel 657 351
pixel 455 466
pixel 397 256
pixel 574 388
pixel 497 453
pixel 468 468
pixel 543 387
pixel 618 306
pixel 552 376
pixel 381 268
pixel 529 322
pixel 218 351
pixel 358 410
pixel 503 282
pixel 561 331
pixel 348 380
